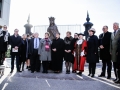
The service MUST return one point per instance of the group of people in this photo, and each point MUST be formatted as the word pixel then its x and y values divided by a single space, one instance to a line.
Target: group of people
pixel 75 51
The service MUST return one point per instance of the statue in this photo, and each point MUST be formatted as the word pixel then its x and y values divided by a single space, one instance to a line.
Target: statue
pixel 28 26
pixel 52 29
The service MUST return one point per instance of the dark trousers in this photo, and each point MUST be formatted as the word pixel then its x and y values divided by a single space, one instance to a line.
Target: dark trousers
pixel 17 62
pixel 92 67
pixel 118 73
pixel 109 67
pixel 2 57
pixel 45 65
pixel 115 67
pixel 35 62
pixel 22 65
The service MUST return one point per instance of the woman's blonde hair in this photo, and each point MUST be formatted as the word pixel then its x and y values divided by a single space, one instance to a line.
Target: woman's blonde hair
pixel 47 33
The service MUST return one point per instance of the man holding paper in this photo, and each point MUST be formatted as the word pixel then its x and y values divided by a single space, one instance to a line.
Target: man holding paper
pixel 15 41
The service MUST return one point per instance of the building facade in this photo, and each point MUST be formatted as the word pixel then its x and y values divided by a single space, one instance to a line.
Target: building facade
pixel 4 12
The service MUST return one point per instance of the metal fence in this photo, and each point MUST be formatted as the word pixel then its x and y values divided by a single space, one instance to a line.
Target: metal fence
pixel 41 29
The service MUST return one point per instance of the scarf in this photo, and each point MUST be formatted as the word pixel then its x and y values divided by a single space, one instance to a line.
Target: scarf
pixel 68 40
pixel 6 35
pixel 47 46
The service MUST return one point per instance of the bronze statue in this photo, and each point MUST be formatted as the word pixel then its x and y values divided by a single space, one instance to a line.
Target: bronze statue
pixel 52 29
pixel 28 27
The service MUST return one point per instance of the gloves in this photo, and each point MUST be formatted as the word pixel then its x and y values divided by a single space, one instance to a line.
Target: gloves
pixel 82 53
pixel 74 54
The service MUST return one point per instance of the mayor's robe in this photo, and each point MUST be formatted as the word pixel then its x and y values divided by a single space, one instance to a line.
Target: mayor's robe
pixel 79 61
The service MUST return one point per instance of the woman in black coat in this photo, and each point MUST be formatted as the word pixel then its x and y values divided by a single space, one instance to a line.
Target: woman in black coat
pixel 68 56
pixel 57 53
pixel 24 50
pixel 92 51
pixel 4 40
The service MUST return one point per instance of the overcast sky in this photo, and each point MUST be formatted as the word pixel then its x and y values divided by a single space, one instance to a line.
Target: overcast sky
pixel 101 12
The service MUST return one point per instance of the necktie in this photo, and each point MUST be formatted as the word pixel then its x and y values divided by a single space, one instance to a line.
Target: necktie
pixel 114 32
pixel 36 43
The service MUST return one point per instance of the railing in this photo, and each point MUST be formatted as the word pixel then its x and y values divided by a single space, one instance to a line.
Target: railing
pixel 41 29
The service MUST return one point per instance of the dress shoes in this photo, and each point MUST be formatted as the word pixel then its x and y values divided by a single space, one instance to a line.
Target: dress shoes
pixel 117 81
pixel 80 73
pixel 19 71
pixel 92 75
pixel 101 76
pixel 11 71
pixel 32 71
pixel 89 74
pixel 108 77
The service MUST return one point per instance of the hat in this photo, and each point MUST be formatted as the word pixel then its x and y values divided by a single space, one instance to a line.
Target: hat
pixel 80 34
pixel 92 29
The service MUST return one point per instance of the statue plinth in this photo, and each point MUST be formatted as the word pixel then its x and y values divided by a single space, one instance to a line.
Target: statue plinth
pixel 87 26
pixel 28 26
pixel 28 29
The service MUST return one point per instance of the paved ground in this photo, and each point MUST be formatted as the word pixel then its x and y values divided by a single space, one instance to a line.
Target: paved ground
pixel 52 81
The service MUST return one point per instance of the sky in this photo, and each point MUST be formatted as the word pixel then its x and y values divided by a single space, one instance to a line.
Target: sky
pixel 66 12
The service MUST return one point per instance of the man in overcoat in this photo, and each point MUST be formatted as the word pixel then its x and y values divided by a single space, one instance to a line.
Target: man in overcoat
pixel 104 45
pixel 114 45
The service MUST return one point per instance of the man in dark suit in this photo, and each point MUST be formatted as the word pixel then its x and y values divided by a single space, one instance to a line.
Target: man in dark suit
pixel 33 51
pixel 15 41
pixel 104 44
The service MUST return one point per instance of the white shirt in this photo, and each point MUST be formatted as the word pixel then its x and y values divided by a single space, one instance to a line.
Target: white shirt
pixel 36 43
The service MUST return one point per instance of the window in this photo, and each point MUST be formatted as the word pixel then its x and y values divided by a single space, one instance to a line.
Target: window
pixel 0 8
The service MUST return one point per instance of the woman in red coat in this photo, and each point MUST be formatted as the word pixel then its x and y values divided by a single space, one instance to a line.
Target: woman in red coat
pixel 79 54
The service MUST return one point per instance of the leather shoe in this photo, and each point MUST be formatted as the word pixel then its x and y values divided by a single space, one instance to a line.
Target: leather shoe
pixel 89 74
pixel 108 77
pixel 101 76
pixel 32 71
pixel 19 71
pixel 118 81
pixel 92 75
pixel 115 80
pixel 11 71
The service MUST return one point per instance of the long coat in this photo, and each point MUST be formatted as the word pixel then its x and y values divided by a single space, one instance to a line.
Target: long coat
pixel 69 57
pixel 24 50
pixel 3 44
pixel 80 60
pixel 118 55
pixel 92 49
pixel 57 56
pixel 44 55
pixel 114 45
pixel 15 41
pixel 105 41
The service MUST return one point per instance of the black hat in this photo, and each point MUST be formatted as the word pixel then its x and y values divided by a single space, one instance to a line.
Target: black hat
pixel 80 34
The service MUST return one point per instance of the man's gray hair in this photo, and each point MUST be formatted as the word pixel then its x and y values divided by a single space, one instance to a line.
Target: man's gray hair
pixel 36 33
pixel 116 23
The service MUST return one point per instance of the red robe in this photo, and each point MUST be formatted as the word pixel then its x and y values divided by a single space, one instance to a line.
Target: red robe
pixel 82 59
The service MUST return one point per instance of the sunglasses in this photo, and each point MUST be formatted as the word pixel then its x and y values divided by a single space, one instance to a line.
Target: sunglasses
pixel 4 27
